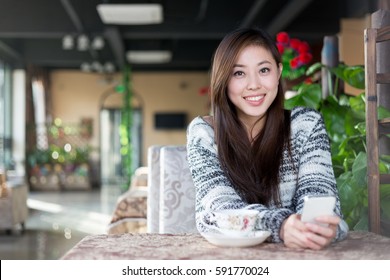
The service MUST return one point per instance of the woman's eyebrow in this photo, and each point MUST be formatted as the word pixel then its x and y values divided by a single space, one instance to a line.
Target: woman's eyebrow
pixel 258 64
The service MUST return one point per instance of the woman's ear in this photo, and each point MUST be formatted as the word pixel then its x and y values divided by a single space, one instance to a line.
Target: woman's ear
pixel 280 69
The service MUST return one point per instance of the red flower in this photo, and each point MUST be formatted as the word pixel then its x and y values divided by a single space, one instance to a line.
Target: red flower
pixel 308 81
pixel 295 54
pixel 294 63
pixel 282 37
pixel 303 47
pixel 295 43
pixel 305 58
pixel 204 91
pixel 280 48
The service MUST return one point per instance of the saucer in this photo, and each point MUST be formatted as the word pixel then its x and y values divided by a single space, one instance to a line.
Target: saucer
pixel 221 240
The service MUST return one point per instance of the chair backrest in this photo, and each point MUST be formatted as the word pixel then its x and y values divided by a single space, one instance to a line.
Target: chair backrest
pixel 153 203
pixel 374 127
pixel 176 191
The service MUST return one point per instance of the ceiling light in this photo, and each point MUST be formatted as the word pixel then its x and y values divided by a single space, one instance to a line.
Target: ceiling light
pixel 97 43
pixel 82 43
pixel 97 66
pixel 148 56
pixel 67 42
pixel 130 13
pixel 85 67
pixel 109 67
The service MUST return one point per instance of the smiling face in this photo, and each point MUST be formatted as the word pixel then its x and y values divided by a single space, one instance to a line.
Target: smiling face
pixel 253 84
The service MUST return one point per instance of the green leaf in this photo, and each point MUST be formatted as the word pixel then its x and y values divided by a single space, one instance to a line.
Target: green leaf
pixel 334 119
pixel 385 158
pixel 343 100
pixel 361 127
pixel 358 103
pixel 355 76
pixel 309 95
pixel 346 192
pixel 352 75
pixel 351 197
pixel 362 223
pixel 314 68
pixel 359 170
pixel 383 113
pixel 385 200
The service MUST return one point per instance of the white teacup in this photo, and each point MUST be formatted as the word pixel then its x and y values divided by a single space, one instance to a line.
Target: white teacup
pixel 234 222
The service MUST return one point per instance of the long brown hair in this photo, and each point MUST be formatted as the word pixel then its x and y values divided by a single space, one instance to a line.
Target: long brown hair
pixel 252 167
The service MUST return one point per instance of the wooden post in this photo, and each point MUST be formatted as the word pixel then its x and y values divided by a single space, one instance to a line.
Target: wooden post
pixel 372 130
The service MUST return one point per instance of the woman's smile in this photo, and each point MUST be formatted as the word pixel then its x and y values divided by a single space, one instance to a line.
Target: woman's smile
pixel 255 100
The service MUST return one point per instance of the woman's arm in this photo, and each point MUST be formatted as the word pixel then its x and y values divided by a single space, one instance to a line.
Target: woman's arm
pixel 315 170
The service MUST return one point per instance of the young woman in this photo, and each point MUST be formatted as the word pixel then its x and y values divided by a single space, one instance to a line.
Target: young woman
pixel 253 154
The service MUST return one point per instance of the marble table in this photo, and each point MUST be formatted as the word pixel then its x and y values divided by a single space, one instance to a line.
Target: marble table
pixel 149 246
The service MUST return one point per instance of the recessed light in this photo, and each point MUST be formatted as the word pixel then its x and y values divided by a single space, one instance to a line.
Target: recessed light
pixel 146 57
pixel 130 13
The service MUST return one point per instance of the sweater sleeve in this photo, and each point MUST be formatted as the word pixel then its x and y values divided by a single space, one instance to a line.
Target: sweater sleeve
pixel 214 191
pixel 315 170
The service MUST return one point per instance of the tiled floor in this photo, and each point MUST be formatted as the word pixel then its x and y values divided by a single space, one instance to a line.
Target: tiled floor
pixel 57 221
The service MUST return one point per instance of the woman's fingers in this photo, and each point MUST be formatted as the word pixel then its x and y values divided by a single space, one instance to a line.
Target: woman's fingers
pixel 297 234
pixel 331 220
pixel 323 234
pixel 293 233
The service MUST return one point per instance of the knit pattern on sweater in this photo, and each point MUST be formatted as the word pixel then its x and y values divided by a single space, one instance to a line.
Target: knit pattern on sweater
pixel 309 172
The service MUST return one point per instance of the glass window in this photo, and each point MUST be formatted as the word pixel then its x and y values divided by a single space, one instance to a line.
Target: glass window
pixel 5 117
pixel 38 93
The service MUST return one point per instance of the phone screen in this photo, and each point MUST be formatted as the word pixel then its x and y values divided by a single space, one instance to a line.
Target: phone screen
pixel 315 206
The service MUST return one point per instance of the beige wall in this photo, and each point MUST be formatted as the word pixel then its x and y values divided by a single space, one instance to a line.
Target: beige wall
pixel 77 95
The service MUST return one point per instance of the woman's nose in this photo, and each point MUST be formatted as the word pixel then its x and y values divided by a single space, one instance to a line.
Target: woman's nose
pixel 253 82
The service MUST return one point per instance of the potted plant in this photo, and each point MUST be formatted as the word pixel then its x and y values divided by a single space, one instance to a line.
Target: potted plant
pixel 41 172
pixel 344 117
pixel 296 58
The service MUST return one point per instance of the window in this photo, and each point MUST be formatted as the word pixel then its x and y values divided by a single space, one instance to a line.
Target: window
pixel 5 117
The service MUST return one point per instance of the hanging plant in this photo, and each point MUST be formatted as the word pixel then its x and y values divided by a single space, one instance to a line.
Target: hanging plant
pixel 125 127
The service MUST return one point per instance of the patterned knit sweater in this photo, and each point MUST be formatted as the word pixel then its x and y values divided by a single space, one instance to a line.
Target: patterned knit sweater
pixel 310 174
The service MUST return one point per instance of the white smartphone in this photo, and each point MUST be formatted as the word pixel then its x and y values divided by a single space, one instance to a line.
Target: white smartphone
pixel 315 206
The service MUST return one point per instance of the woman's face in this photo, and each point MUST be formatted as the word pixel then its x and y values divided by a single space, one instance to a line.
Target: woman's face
pixel 253 83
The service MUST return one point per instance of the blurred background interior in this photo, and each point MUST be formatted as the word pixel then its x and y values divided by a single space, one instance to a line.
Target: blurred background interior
pixel 86 86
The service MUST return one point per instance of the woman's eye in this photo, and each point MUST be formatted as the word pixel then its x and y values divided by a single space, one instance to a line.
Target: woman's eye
pixel 238 73
pixel 264 70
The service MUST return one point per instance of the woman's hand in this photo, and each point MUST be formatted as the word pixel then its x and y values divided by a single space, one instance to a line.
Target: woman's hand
pixel 297 234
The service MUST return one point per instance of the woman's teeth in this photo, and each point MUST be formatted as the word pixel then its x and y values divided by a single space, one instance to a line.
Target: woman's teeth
pixel 254 98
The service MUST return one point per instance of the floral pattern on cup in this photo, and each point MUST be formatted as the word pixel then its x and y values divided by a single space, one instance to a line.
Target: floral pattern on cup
pixel 234 222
